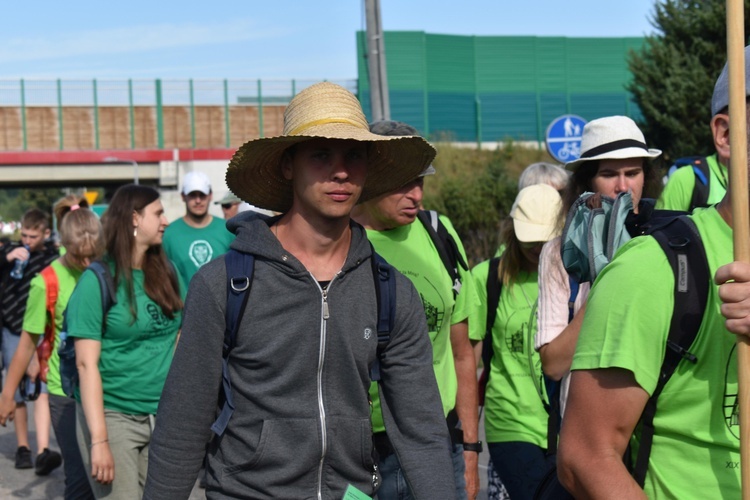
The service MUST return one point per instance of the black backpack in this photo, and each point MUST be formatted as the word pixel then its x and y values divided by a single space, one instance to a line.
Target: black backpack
pixel 681 243
pixel 66 350
pixel 240 267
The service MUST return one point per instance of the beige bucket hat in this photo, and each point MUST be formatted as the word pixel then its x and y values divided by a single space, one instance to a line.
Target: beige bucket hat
pixel 329 111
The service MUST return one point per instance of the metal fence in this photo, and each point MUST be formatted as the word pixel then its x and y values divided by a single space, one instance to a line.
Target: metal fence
pixel 18 97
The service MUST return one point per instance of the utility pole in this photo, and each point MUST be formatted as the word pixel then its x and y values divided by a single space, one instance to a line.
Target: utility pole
pixel 379 101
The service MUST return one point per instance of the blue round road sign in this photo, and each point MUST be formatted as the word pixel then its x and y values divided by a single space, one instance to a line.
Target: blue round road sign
pixel 564 137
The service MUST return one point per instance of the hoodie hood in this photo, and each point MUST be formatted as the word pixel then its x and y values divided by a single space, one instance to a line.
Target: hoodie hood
pixel 254 235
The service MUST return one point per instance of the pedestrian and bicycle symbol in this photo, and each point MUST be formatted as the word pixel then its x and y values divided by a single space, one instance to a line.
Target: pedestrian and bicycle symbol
pixel 563 137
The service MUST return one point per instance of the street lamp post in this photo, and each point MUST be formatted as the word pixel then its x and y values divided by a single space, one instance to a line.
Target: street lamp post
pixel 112 159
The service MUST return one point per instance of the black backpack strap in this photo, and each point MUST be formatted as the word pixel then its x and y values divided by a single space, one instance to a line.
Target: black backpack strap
pixel 446 246
pixel 574 287
pixel 106 285
pixel 682 245
pixel 494 287
pixel 702 183
pixel 385 291
pixel 240 266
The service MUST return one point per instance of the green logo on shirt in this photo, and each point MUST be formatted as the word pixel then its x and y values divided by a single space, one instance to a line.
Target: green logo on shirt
pixel 200 252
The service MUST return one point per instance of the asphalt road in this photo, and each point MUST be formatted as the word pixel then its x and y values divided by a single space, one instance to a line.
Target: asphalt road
pixel 25 484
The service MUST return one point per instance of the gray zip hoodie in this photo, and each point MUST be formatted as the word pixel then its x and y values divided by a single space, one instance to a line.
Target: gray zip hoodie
pixel 300 373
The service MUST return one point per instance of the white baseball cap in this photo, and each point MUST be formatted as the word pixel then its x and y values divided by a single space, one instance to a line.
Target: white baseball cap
pixel 196 181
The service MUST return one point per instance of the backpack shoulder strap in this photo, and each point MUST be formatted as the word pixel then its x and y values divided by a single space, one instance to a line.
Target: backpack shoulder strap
pixel 684 249
pixel 445 244
pixel 106 286
pixel 385 292
pixel 702 185
pixel 239 268
pixel 574 287
pixel 494 288
pixel 52 285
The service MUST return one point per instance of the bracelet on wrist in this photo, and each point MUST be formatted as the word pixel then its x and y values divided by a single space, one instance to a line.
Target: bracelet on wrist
pixel 477 447
pixel 98 442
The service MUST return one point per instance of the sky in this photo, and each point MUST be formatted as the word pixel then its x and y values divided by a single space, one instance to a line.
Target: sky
pixel 273 39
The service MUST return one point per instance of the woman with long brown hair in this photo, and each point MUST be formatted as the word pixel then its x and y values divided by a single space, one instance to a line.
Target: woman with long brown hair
pixel 123 354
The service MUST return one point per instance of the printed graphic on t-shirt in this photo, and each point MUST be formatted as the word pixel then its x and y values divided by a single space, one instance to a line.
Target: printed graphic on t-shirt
pixel 200 252
pixel 158 319
pixel 515 341
pixel 434 313
pixel 731 407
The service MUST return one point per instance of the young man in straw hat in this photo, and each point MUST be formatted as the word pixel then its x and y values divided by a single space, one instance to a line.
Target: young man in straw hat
pixel 397 235
pixel 300 366
pixel 695 452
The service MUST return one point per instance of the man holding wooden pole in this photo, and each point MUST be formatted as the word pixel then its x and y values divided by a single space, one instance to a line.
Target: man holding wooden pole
pixel 619 360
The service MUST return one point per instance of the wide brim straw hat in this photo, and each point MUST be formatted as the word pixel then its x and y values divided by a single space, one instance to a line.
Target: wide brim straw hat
pixel 612 138
pixel 324 110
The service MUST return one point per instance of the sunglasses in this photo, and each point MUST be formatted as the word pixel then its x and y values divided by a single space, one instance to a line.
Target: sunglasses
pixel 227 206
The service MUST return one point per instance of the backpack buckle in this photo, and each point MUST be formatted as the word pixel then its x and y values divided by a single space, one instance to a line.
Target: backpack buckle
pixel 243 284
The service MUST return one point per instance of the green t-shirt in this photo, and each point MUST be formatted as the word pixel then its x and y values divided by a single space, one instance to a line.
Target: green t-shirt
pixel 410 249
pixel 678 193
pixel 35 317
pixel 189 248
pixel 513 405
pixel 135 357
pixel 696 445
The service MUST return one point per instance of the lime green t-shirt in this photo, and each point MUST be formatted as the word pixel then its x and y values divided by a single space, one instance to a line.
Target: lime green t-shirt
pixel 410 249
pixel 678 193
pixel 513 405
pixel 35 317
pixel 695 450
pixel 135 357
pixel 189 248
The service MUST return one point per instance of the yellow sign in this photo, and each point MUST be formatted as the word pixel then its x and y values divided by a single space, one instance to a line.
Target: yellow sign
pixel 91 196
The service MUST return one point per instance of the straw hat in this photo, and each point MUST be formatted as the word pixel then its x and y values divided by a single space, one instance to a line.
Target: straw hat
pixel 612 138
pixel 330 111
pixel 535 213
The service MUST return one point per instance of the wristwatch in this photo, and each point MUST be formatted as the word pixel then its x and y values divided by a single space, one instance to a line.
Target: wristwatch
pixel 473 447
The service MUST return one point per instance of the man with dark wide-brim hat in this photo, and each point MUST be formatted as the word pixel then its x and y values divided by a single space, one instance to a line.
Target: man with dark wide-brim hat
pixel 298 425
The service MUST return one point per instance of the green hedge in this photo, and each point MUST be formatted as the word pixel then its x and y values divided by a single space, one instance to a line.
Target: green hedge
pixel 475 189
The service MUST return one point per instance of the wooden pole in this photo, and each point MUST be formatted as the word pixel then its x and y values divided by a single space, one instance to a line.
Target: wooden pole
pixel 738 184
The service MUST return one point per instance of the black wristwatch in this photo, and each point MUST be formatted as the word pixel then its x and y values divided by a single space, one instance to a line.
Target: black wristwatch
pixel 473 447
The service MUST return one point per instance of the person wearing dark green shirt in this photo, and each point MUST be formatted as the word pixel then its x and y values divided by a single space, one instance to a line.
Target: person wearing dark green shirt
pixel 123 356
pixel 197 237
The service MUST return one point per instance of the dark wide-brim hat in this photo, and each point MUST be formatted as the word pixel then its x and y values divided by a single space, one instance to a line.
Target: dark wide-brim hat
pixel 324 110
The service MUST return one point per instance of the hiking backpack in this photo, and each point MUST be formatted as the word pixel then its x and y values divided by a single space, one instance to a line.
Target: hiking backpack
pixel 681 243
pixel 702 186
pixel 44 350
pixel 446 246
pixel 66 350
pixel 240 268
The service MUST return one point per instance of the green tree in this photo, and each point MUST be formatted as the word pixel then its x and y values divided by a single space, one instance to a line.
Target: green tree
pixel 674 74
